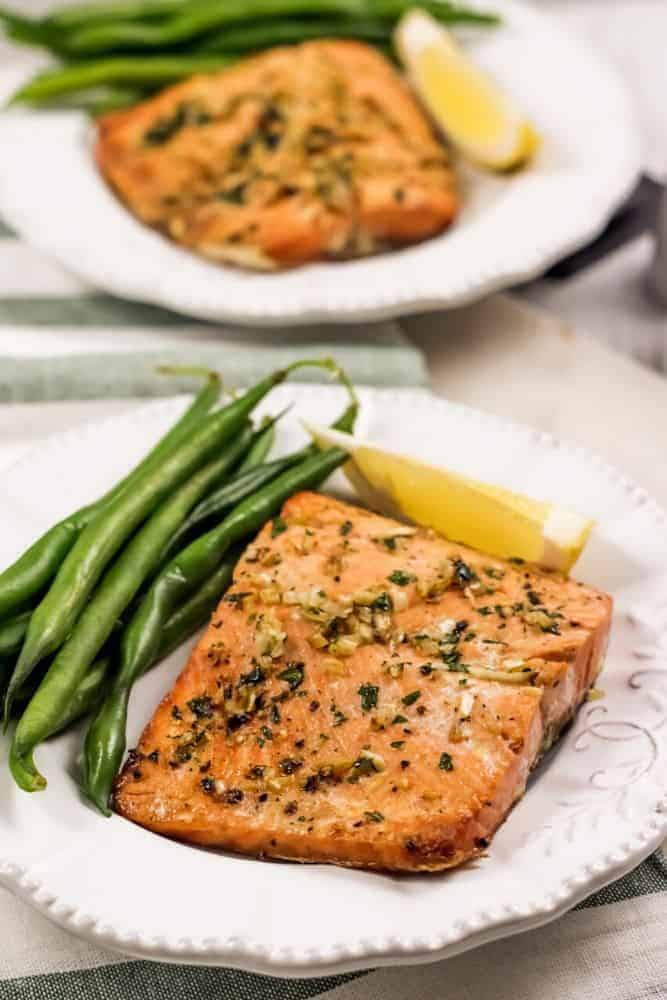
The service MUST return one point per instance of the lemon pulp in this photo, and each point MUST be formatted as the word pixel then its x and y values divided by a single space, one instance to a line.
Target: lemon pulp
pixel 486 517
pixel 470 108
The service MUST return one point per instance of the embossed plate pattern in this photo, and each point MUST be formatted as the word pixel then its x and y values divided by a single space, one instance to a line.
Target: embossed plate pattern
pixel 511 228
pixel 594 808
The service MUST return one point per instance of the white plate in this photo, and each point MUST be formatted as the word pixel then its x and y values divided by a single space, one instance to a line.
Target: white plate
pixel 594 809
pixel 510 229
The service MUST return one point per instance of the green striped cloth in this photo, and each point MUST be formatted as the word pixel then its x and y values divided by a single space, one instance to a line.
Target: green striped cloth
pixel 61 340
pixel 575 958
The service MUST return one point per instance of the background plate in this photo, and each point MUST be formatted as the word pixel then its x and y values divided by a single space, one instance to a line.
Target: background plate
pixel 511 228
pixel 595 807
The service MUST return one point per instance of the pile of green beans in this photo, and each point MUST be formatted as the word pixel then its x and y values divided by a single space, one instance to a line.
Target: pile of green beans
pixel 113 54
pixel 190 568
pixel 110 590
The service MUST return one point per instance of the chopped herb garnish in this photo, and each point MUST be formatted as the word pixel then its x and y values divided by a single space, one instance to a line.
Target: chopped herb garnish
pixel 234 722
pixel 201 707
pixel 346 528
pixel 401 578
pixel 278 525
pixel 516 560
pixel 165 128
pixel 446 763
pixel 237 598
pixel 389 542
pixel 426 669
pixel 292 675
pixel 254 676
pixel 494 572
pixel 397 744
pixel 374 816
pixel 288 765
pixel 338 717
pixel 485 611
pixel 176 712
pixel 266 733
pixel 274 713
pixel 363 767
pixel 369 696
pixel 398 719
pixel 463 574
pixel 382 602
pixel 411 698
pixel 234 195
pixel 452 659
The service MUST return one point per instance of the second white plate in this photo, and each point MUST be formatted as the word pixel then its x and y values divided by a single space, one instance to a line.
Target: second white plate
pixel 510 228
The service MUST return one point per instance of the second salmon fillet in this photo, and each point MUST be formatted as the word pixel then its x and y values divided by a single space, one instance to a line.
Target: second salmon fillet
pixel 366 694
pixel 298 154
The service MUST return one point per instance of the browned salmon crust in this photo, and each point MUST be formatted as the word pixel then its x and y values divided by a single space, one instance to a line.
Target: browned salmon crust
pixel 366 694
pixel 298 154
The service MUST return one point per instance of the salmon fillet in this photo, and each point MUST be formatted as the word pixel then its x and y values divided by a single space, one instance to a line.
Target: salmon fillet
pixel 366 694
pixel 298 154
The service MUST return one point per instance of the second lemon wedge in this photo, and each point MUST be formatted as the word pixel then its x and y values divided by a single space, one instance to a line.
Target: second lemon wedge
pixel 470 108
pixel 464 510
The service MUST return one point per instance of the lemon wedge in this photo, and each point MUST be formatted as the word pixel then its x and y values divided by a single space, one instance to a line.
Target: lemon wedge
pixel 478 118
pixel 464 510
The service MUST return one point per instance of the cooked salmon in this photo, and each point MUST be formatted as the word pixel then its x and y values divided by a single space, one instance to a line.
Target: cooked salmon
pixel 366 694
pixel 298 154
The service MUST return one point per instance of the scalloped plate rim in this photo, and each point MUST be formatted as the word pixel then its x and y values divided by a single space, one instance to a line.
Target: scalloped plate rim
pixel 252 956
pixel 587 204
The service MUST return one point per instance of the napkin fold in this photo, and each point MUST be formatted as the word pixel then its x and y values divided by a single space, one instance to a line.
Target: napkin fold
pixel 55 341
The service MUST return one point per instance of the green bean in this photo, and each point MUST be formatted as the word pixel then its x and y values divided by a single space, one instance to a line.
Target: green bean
pixel 105 533
pixel 196 611
pixel 58 612
pixel 85 698
pixel 141 638
pixel 107 604
pixel 84 14
pixel 22 29
pixel 224 499
pixel 266 34
pixel 197 20
pixel 105 740
pixel 260 448
pixel 99 101
pixel 22 583
pixel 12 633
pixel 243 484
pixel 182 624
pixel 199 559
pixel 122 70
pixel 262 443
